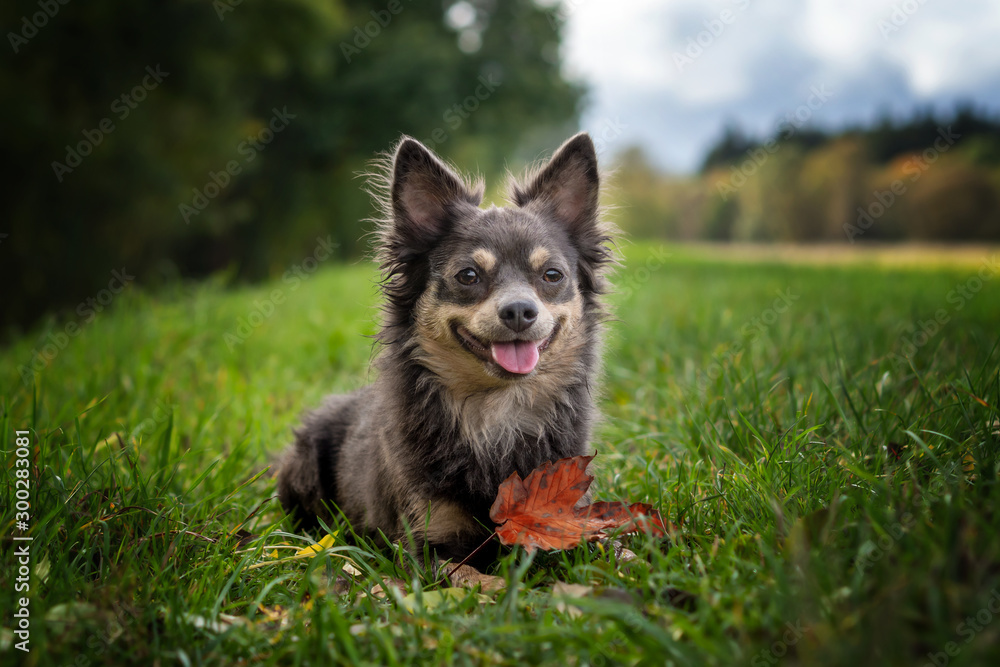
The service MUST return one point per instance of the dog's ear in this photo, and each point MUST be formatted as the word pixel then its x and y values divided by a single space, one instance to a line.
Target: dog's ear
pixel 567 187
pixel 425 194
pixel 566 190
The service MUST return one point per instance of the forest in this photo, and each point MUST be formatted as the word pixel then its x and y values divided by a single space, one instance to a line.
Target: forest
pixel 929 177
pixel 182 139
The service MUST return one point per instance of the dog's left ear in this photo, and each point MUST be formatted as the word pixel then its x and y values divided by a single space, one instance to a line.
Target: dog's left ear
pixel 567 187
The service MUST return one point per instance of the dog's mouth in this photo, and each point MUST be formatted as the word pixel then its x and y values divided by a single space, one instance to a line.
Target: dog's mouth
pixel 518 357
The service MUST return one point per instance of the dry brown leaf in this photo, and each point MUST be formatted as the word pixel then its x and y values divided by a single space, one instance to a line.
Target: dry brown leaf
pixel 389 583
pixel 469 577
pixel 572 591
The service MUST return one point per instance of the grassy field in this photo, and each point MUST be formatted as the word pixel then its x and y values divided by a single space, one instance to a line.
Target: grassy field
pixel 824 436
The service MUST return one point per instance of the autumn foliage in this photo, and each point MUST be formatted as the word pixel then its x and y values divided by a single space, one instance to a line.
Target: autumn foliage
pixel 926 178
pixel 542 512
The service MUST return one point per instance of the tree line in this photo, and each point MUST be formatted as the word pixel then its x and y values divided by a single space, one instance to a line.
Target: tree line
pixel 927 177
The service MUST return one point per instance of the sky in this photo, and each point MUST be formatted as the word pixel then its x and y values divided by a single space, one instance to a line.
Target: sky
pixel 669 75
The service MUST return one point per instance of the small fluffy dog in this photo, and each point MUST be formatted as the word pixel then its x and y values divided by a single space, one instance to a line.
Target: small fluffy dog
pixel 489 352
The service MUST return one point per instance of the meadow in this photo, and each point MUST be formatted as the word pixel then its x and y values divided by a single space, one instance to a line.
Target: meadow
pixel 824 437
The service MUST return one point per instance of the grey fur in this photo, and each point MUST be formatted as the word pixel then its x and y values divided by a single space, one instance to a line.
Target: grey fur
pixel 430 441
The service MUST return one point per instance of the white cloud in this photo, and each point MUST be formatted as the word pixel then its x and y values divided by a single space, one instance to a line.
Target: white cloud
pixel 613 44
pixel 761 63
pixel 944 50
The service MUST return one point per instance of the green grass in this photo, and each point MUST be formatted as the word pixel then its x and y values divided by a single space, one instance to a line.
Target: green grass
pixel 834 488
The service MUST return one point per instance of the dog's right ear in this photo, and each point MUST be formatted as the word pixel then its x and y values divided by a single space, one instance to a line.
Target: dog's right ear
pixel 425 195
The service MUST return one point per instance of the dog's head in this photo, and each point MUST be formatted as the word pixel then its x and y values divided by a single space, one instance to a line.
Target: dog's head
pixel 497 296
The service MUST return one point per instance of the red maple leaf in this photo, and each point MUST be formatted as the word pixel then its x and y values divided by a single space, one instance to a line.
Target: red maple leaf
pixel 541 512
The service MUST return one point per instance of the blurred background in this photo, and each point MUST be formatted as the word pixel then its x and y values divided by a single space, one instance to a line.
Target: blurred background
pixel 176 139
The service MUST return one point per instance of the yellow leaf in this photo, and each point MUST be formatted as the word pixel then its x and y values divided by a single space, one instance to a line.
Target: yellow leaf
pixel 968 463
pixel 319 547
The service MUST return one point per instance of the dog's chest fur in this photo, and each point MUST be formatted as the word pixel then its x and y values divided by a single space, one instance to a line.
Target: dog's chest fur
pixel 466 444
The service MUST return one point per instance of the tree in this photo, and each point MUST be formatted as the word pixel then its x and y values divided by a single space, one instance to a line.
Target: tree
pixel 187 172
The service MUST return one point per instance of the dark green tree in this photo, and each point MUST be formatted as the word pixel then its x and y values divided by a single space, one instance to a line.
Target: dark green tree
pixel 105 172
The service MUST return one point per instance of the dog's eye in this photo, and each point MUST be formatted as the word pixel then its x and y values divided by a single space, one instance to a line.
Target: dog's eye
pixel 552 276
pixel 467 276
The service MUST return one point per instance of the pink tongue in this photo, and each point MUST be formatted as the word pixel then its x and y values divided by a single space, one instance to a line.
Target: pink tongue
pixel 519 356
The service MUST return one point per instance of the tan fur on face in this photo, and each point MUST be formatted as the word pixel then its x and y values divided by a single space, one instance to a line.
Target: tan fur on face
pixel 438 350
pixel 538 257
pixel 484 258
pixel 494 413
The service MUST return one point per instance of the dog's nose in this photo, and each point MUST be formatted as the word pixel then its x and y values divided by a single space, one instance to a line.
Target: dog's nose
pixel 519 315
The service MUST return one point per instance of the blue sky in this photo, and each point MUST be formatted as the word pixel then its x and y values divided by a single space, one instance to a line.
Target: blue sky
pixel 669 75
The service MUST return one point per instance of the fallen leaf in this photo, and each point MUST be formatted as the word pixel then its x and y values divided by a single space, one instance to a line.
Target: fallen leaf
pixel 469 577
pixel 562 589
pixel 243 538
pixel 42 569
pixel 222 623
pixel 620 596
pixel 968 464
pixel 320 546
pixel 541 512
pixel 895 450
pixel 388 584
pixel 341 585
pixel 570 591
pixel 349 568
pixel 433 599
pixel 275 614
pixel 61 616
pixel 622 555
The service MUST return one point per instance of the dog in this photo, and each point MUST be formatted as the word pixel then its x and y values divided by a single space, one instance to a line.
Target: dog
pixel 488 352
